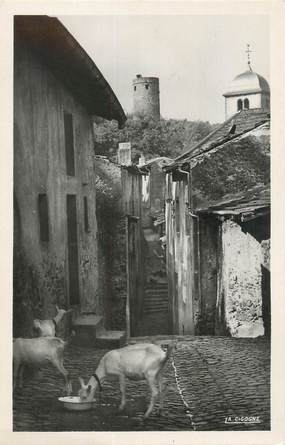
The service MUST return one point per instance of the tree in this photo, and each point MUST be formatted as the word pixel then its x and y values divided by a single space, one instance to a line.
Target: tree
pixel 152 138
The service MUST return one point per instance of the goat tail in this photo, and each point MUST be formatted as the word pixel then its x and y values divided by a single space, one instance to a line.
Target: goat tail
pixel 69 339
pixel 170 348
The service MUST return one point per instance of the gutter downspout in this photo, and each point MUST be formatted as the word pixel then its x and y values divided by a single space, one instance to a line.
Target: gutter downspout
pixel 190 207
pixel 128 279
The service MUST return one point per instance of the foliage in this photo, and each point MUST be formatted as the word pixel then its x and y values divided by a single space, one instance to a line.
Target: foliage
pixel 26 296
pixel 153 138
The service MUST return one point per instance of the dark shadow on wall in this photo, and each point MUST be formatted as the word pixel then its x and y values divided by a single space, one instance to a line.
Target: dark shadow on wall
pixel 259 228
pixel 25 285
pixel 266 300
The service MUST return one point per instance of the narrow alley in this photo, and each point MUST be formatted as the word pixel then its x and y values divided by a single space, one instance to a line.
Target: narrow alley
pixel 220 379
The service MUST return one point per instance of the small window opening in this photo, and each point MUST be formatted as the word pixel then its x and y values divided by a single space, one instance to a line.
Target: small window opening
pixel 146 87
pixel 135 88
pixel 69 144
pixel 246 104
pixel 43 217
pixel 239 105
pixel 86 218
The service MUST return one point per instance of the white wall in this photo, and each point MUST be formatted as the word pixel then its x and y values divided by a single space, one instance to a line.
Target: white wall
pixel 255 101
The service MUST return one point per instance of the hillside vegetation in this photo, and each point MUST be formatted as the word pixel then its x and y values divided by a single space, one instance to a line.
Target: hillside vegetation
pixel 166 137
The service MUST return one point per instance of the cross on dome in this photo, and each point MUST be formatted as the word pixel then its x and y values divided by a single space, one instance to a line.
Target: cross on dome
pixel 248 51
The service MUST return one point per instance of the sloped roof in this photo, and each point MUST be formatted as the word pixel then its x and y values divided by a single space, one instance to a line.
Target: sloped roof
pixel 161 161
pixel 69 62
pixel 255 198
pixel 244 121
pixel 234 177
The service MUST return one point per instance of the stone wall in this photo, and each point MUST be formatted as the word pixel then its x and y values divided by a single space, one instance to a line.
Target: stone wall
pixel 41 271
pixel 146 97
pixel 208 237
pixel 241 281
pixel 111 242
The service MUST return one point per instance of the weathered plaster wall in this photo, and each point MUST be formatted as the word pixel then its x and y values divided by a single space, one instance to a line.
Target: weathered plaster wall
pixel 111 242
pixel 208 236
pixel 181 231
pixel 39 167
pixel 240 281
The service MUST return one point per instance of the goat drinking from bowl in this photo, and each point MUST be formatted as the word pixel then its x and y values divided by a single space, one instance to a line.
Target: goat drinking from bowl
pixel 143 361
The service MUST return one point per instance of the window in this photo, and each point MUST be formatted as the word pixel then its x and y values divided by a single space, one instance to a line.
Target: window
pixel 43 217
pixel 135 88
pixel 239 105
pixel 69 144
pixel 86 219
pixel 246 104
pixel 146 87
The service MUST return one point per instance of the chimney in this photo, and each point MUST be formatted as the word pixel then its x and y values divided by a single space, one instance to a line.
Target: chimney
pixel 124 153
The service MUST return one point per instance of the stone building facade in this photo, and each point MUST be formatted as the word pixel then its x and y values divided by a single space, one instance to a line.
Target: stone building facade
pixel 218 230
pixel 57 90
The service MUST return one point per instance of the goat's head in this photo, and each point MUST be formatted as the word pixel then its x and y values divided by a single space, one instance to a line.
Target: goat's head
pixel 86 392
pixel 61 312
pixel 36 323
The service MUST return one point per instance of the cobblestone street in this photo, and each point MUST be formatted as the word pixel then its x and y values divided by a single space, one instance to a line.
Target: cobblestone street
pixel 218 377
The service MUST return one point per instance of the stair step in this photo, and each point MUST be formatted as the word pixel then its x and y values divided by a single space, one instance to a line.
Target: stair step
pixel 151 310
pixel 156 291
pixel 88 320
pixel 86 327
pixel 156 288
pixel 160 286
pixel 156 298
pixel 107 339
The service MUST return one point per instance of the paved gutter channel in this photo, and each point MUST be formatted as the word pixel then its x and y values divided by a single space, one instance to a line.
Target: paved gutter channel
pixel 218 376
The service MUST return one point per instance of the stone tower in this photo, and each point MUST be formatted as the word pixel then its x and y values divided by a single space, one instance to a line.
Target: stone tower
pixel 146 96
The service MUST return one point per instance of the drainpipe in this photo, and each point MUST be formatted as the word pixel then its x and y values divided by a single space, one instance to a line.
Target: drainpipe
pixel 193 215
pixel 128 280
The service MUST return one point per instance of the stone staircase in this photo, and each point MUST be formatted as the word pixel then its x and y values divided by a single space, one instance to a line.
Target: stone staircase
pixel 156 298
pixel 89 331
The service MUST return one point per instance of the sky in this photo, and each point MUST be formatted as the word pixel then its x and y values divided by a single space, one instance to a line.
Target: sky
pixel 195 57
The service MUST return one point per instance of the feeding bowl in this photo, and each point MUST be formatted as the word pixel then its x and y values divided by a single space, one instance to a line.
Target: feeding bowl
pixel 73 403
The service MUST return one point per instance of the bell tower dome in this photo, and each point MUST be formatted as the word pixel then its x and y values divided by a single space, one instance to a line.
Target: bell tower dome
pixel 247 90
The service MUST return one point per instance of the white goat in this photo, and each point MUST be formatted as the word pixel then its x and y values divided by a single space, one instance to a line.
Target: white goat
pixel 47 328
pixel 144 361
pixel 36 352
